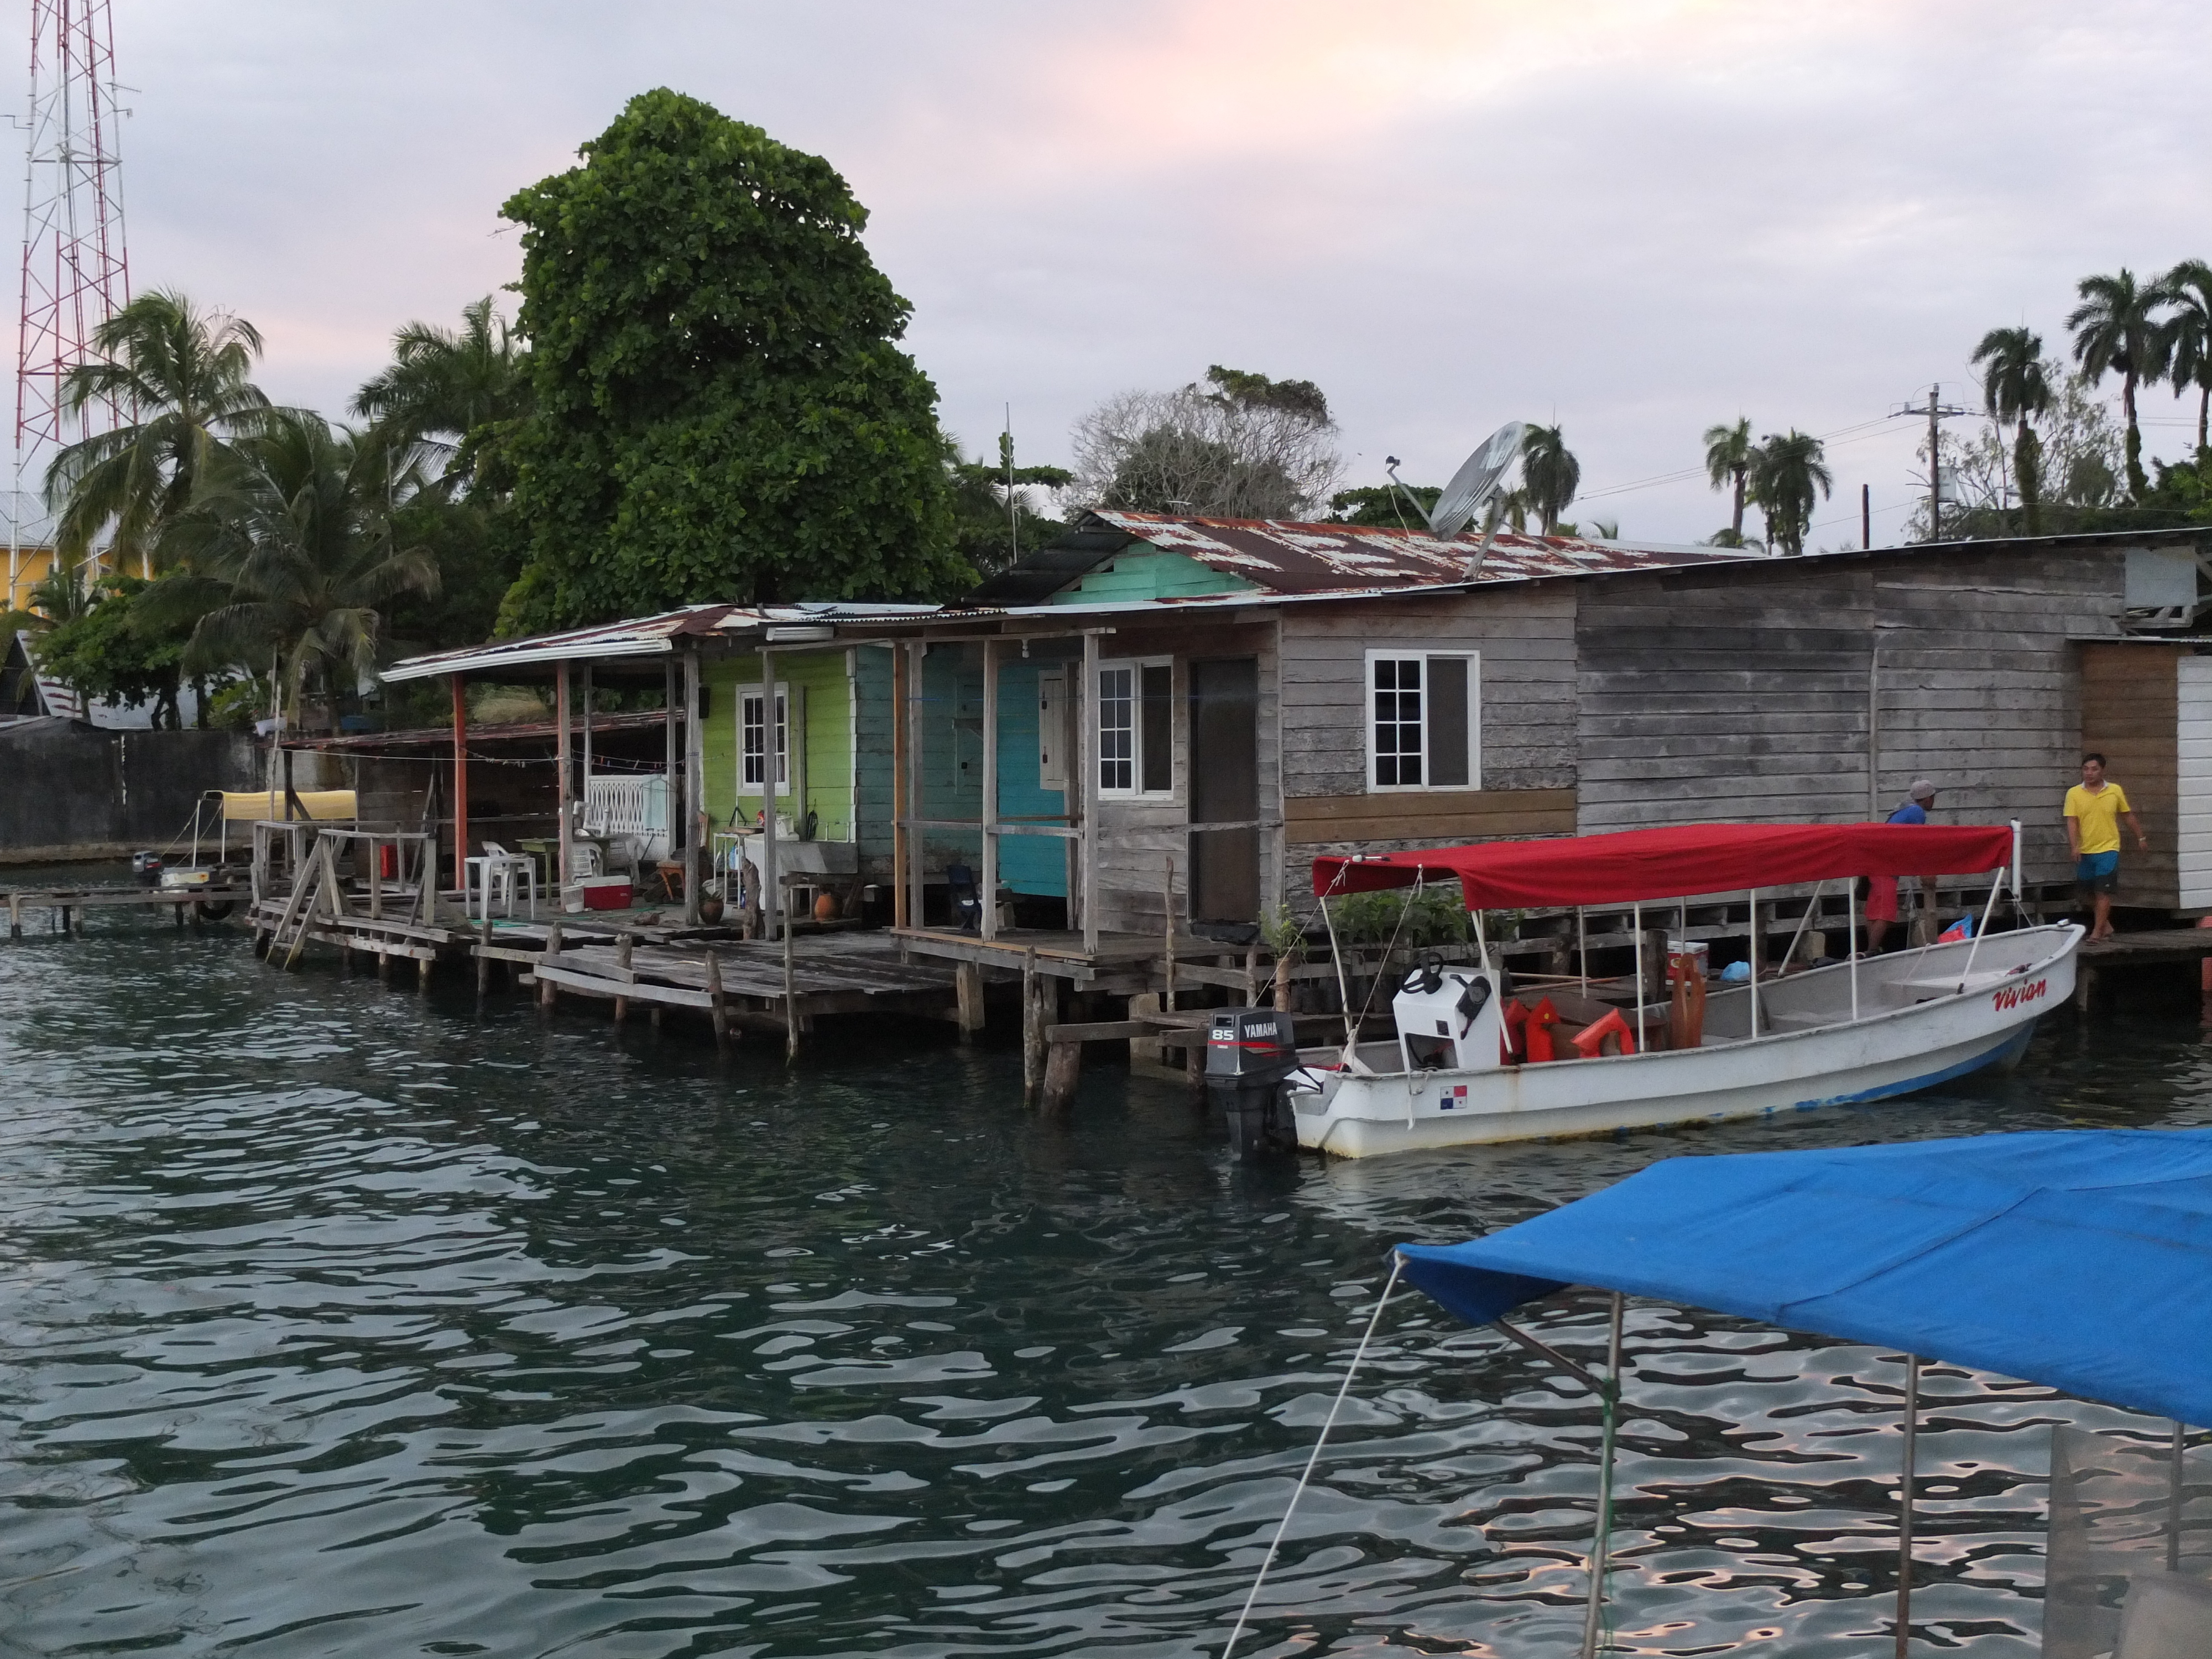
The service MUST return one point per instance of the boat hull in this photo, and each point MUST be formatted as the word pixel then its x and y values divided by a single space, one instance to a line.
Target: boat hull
pixel 1907 1039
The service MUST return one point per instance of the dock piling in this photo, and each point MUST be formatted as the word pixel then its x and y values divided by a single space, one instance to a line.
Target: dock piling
pixel 790 989
pixel 484 957
pixel 549 993
pixel 968 985
pixel 1033 1024
pixel 716 1011
pixel 623 942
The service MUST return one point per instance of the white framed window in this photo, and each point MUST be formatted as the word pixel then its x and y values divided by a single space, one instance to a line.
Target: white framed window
pixel 1136 727
pixel 1424 719
pixel 755 744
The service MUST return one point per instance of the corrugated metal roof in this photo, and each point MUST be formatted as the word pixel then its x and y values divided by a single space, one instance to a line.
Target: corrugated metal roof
pixel 639 636
pixel 1283 556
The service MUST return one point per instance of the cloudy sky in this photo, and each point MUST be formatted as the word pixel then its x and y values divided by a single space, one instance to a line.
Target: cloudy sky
pixel 1634 218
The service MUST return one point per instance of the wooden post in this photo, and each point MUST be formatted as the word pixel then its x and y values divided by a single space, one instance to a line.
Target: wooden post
pixel 484 957
pixel 564 763
pixel 15 915
pixel 715 1011
pixel 790 999
pixel 1063 1070
pixel 623 942
pixel 461 794
pixel 695 790
pixel 1167 923
pixel 549 993
pixel 901 804
pixel 989 916
pixel 587 739
pixel 1252 975
pixel 1087 757
pixel 1032 1030
pixel 967 984
pixel 776 759
pixel 917 797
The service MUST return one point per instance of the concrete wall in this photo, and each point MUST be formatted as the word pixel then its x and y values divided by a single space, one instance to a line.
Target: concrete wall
pixel 69 791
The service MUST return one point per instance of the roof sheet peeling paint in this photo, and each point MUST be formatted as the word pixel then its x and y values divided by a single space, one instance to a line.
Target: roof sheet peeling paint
pixel 1305 558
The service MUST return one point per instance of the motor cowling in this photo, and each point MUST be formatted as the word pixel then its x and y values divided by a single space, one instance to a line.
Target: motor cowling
pixel 1250 1052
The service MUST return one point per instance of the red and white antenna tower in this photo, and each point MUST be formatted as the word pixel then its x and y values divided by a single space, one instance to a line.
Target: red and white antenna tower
pixel 75 274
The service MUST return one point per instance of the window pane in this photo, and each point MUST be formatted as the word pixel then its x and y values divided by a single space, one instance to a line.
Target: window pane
pixel 1448 723
pixel 1157 750
pixel 1117 729
pixel 1397 748
pixel 755 710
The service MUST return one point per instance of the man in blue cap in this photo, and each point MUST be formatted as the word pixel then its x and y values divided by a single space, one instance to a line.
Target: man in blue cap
pixel 1883 890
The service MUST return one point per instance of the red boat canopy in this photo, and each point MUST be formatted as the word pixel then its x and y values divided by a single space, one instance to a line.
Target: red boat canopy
pixel 1674 863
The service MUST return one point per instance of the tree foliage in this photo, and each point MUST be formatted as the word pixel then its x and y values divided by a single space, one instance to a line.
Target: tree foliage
pixel 720 411
pixel 1729 453
pixel 120 647
pixel 1789 476
pixel 289 552
pixel 1385 504
pixel 2188 289
pixel 2117 331
pixel 459 391
pixel 1550 475
pixel 184 374
pixel 1238 446
pixel 996 515
pixel 2015 388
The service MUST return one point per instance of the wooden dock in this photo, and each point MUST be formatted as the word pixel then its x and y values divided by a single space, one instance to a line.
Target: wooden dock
pixel 66 905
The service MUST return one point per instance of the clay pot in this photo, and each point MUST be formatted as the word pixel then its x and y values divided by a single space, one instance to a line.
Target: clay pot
pixel 710 908
pixel 825 907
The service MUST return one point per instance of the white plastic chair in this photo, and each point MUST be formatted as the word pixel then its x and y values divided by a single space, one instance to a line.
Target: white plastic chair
pixel 494 878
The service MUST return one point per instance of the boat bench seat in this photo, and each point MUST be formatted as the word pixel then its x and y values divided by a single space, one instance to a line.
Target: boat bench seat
pixel 1909 991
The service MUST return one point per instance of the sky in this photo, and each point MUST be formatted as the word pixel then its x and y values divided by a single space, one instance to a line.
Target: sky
pixel 1633 219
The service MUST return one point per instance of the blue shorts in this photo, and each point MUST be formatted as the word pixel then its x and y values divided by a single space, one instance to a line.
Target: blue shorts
pixel 2098 872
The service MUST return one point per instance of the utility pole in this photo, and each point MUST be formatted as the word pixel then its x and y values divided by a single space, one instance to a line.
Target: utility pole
pixel 1936 410
pixel 1866 516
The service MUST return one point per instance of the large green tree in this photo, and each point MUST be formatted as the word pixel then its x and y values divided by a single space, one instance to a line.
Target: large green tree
pixel 1549 474
pixel 288 553
pixel 1729 453
pixel 2117 330
pixel 1788 476
pixel 181 377
pixel 120 649
pixel 2015 388
pixel 2188 289
pixel 720 408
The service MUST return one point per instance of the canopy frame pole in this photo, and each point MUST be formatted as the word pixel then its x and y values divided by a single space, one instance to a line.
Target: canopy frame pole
pixel 1904 1506
pixel 1851 924
pixel 1601 1546
pixel 2174 1504
pixel 1343 985
pixel 1546 1352
pixel 1751 946
pixel 1988 910
pixel 1641 1040
pixel 1812 905
pixel 1481 945
pixel 1582 949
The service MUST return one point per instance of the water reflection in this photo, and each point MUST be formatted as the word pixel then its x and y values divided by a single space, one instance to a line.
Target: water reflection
pixel 344 1320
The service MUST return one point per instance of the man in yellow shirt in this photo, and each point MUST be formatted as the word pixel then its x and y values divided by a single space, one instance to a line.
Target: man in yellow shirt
pixel 2093 811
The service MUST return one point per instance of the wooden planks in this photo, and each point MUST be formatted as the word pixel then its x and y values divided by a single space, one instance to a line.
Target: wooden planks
pixel 2130 714
pixel 1461 814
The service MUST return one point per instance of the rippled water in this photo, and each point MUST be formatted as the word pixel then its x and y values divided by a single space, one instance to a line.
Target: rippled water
pixel 336 1320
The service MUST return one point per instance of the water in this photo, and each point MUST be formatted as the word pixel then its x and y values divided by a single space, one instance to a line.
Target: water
pixel 341 1321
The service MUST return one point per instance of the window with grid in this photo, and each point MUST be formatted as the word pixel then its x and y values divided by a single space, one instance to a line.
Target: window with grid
pixel 753 747
pixel 1136 728
pixel 1422 727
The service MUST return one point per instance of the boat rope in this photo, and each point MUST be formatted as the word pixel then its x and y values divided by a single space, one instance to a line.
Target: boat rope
pixel 1352 1026
pixel 1397 1263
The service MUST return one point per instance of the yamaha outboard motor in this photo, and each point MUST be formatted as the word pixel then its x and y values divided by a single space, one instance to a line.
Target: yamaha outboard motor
pixel 146 866
pixel 1248 1055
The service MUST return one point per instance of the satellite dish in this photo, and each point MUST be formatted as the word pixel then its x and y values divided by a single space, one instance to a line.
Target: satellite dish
pixel 1477 480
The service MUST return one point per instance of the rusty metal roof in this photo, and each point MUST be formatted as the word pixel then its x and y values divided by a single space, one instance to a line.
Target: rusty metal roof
pixel 1281 556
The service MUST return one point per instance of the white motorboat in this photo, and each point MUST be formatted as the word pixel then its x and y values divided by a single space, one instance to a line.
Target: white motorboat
pixel 1461 1070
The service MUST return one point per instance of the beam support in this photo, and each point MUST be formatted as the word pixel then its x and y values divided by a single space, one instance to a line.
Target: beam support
pixel 988 916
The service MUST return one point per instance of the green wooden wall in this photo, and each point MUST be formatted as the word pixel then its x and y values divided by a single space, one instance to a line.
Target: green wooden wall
pixel 828 737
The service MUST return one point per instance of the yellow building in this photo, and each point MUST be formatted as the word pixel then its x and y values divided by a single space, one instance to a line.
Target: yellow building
pixel 30 535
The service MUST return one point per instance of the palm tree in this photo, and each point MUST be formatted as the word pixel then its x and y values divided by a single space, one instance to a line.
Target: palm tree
pixel 2116 330
pixel 2188 289
pixel 1549 474
pixel 289 547
pixel 182 373
pixel 1788 476
pixel 2014 388
pixel 1729 451
pixel 447 385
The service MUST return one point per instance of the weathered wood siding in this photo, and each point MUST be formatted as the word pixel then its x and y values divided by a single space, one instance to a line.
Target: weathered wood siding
pixel 1754 693
pixel 1526 638
pixel 2131 714
pixel 1136 837
pixel 2192 753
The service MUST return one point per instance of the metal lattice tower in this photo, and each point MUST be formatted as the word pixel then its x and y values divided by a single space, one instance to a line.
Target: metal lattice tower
pixel 75 274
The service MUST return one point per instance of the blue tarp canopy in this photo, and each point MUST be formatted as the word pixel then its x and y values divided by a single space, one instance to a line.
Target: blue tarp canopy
pixel 2081 1259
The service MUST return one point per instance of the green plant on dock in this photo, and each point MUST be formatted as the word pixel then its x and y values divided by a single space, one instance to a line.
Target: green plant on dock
pixel 1282 932
pixel 1429 916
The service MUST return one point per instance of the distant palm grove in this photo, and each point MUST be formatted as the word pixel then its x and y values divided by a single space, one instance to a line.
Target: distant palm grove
pixel 733 417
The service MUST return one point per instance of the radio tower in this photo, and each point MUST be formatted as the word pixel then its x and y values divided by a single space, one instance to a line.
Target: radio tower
pixel 74 273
